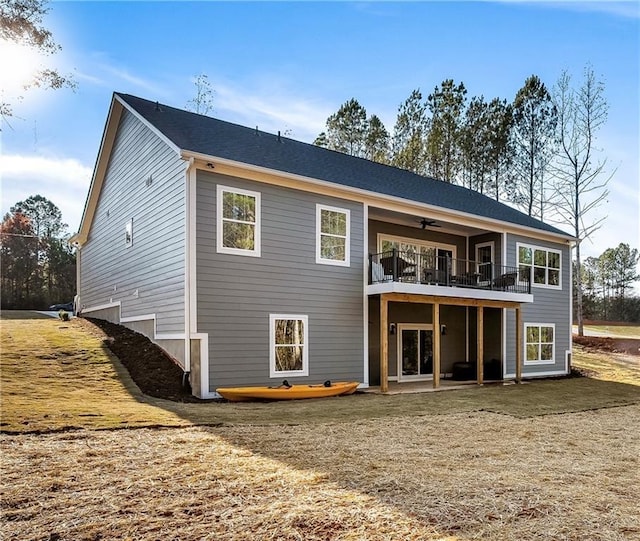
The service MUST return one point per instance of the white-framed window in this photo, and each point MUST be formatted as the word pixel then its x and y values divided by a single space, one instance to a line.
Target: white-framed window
pixel 238 221
pixel 540 343
pixel 541 266
pixel 430 260
pixel 289 345
pixel 332 235
pixel 128 233
pixel 485 261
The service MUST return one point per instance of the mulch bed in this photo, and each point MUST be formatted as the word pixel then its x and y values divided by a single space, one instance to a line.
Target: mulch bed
pixel 153 371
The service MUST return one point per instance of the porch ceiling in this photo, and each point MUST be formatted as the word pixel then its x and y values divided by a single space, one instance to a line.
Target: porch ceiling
pixel 413 220
pixel 448 295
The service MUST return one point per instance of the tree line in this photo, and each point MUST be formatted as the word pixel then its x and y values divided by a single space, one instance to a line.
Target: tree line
pixel 38 263
pixel 608 285
pixel 537 151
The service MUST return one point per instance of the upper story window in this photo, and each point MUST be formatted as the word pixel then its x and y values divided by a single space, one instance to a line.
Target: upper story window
pixel 289 353
pixel 541 266
pixel 332 235
pixel 128 233
pixel 238 221
pixel 540 343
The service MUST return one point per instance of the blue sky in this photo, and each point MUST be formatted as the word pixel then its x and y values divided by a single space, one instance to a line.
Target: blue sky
pixel 289 65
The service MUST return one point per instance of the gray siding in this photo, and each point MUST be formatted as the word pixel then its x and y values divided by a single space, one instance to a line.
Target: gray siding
pixel 549 306
pixel 154 265
pixel 237 293
pixel 496 238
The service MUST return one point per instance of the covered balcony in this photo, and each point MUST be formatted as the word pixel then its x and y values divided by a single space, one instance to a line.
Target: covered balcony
pixel 397 271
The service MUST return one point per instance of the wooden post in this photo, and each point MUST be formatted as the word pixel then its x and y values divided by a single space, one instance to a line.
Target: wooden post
pixel 518 345
pixel 436 345
pixel 480 343
pixel 384 344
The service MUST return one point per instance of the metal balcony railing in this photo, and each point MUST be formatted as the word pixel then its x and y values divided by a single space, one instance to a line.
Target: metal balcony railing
pixel 415 268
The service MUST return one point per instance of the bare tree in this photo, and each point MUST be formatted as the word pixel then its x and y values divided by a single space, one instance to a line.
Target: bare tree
pixel 580 178
pixel 202 102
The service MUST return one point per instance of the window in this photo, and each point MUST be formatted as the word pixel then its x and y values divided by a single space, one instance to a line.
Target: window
pixel 128 233
pixel 289 352
pixel 238 223
pixel 332 235
pixel 540 343
pixel 541 266
pixel 431 261
pixel 484 261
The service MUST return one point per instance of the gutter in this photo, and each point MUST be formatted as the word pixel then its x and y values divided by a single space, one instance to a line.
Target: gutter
pixel 362 194
pixel 187 271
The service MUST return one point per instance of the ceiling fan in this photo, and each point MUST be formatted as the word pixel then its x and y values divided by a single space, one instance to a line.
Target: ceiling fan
pixel 425 222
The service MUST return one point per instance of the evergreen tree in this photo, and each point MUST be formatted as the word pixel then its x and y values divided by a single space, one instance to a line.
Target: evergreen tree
pixel 346 130
pixel 475 141
pixel 534 125
pixel 376 142
pixel 447 106
pixel 409 134
pixel 499 121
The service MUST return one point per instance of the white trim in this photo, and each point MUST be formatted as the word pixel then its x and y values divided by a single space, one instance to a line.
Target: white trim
pixel 273 373
pixel 567 353
pixel 491 244
pixel 570 307
pixel 133 319
pixel 533 248
pixel 503 263
pixel 442 291
pixel 347 245
pixel 365 298
pixel 105 306
pixel 149 125
pixel 221 249
pixel 533 375
pixel 205 392
pixel 528 324
pixel 282 178
pixel 188 218
pixel 410 327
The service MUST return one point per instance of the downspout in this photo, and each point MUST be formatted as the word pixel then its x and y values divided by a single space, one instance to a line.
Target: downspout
pixel 187 273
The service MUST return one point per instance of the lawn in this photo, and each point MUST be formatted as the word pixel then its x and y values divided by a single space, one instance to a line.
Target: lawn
pixel 543 460
pixel 625 331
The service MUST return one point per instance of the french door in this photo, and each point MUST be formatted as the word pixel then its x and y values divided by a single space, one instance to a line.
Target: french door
pixel 415 352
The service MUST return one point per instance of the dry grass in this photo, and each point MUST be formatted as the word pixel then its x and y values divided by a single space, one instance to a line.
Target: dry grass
pixel 453 476
pixel 436 466
pixel 54 376
pixel 615 367
pixel 624 331
pixel 617 330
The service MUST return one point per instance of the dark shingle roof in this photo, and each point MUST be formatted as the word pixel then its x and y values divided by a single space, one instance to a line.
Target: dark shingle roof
pixel 212 137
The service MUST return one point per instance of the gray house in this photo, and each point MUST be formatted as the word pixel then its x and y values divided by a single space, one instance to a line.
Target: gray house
pixel 251 258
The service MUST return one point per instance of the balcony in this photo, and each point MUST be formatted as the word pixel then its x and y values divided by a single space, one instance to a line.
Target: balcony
pixel 445 272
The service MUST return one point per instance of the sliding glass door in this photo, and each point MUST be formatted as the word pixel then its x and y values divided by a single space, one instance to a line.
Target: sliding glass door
pixel 415 352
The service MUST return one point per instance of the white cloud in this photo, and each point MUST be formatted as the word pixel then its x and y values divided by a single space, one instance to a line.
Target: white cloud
pixel 272 108
pixel 64 181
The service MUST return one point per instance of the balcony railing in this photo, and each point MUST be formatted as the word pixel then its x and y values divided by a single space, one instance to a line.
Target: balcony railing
pixel 415 268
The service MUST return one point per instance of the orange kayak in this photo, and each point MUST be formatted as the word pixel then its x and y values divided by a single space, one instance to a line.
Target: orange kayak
pixel 288 392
